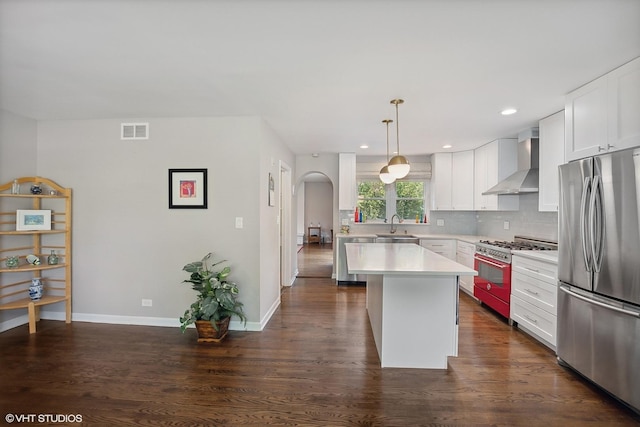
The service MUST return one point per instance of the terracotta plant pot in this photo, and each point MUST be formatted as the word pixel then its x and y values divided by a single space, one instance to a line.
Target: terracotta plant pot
pixel 207 333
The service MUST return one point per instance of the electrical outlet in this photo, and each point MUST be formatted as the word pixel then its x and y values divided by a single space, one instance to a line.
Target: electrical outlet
pixel 440 222
pixel 506 225
pixel 147 303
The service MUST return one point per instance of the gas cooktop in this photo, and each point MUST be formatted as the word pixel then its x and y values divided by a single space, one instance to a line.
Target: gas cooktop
pixel 501 250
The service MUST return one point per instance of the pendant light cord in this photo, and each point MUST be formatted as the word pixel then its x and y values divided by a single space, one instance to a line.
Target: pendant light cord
pixel 397 130
pixel 387 121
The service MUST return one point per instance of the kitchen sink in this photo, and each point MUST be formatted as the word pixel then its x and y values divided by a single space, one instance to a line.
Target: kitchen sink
pixel 397 238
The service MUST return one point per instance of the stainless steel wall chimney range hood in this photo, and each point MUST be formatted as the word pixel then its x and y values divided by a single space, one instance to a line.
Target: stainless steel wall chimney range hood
pixel 525 180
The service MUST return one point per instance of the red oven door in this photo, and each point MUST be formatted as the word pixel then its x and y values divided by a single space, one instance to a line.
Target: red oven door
pixel 492 285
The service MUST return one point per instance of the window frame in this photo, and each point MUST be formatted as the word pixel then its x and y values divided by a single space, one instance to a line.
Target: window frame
pixel 391 198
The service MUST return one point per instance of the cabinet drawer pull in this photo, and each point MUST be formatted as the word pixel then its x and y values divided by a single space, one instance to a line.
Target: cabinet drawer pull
pixel 530 319
pixel 532 269
pixel 531 292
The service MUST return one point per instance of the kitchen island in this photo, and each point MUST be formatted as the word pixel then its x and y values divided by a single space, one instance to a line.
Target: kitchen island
pixel 412 302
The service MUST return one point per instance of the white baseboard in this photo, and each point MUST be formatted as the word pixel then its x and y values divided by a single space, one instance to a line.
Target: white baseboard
pixel 14 323
pixel 170 322
pixel 269 314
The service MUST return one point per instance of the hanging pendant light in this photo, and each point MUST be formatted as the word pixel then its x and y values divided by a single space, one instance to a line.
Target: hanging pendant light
pixel 385 175
pixel 398 165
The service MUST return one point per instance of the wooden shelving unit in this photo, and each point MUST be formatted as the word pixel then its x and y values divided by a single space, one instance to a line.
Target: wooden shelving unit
pixel 15 282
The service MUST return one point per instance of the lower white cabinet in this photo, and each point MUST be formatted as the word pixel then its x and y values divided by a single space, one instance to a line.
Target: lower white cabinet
pixel 534 297
pixel 446 248
pixel 464 256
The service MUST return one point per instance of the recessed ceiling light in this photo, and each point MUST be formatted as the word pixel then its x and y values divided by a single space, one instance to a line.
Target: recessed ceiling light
pixel 508 111
pixel 363 146
pixel 447 146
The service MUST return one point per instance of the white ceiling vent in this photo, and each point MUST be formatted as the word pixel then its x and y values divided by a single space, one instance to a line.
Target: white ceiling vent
pixel 134 131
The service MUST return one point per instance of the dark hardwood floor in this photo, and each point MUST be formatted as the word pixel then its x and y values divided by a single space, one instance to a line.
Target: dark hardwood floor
pixel 315 260
pixel 315 364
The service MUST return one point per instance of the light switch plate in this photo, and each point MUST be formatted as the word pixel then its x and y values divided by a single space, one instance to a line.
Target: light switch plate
pixel 506 225
pixel 147 303
pixel 239 222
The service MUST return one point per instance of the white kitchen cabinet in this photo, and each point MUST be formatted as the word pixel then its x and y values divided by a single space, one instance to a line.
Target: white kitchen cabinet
pixel 462 180
pixel 551 148
pixel 602 115
pixel 452 181
pixel 441 184
pixel 494 162
pixel 347 186
pixel 624 106
pixel 444 247
pixel 534 297
pixel 586 120
pixel 464 256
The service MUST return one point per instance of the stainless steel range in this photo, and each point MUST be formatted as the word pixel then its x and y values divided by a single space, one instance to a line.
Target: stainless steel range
pixel 492 261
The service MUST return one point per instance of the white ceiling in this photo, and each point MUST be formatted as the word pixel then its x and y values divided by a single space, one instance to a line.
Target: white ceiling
pixel 321 73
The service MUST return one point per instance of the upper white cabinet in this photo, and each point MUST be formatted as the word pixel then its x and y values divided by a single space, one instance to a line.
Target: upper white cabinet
pixel 452 181
pixel 462 180
pixel 441 184
pixel 604 115
pixel 347 191
pixel 624 106
pixel 551 156
pixel 494 162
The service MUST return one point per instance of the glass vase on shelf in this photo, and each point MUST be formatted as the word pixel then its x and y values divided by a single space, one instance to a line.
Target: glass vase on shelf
pixel 15 187
pixel 53 258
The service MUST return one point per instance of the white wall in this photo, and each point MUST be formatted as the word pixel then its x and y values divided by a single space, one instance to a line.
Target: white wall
pixel 300 192
pixel 127 244
pixel 272 152
pixel 18 158
pixel 18 146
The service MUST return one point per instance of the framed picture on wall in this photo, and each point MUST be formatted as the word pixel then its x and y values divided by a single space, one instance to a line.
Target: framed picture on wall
pixel 187 189
pixel 272 191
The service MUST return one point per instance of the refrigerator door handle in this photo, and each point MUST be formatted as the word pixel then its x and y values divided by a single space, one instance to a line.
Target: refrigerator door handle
pixel 596 220
pixel 599 304
pixel 584 227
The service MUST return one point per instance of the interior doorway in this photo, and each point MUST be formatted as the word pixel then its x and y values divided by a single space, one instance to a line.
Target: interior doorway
pixel 314 238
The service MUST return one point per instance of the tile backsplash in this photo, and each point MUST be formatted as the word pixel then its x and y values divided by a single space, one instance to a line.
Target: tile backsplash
pixel 525 222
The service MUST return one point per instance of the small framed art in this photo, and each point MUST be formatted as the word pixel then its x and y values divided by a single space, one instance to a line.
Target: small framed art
pixel 187 189
pixel 272 191
pixel 29 220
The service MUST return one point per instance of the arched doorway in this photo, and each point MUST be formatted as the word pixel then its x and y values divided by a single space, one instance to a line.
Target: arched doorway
pixel 315 195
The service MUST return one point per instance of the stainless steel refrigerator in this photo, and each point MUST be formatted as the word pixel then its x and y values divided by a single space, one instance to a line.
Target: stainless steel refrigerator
pixel 599 272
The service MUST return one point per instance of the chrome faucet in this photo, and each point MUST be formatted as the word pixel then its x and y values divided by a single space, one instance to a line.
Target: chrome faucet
pixel 393 229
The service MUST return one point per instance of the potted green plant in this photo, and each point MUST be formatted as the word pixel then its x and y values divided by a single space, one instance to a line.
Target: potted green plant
pixel 215 303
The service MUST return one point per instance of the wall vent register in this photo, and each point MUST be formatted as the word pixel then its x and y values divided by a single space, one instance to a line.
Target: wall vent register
pixel 129 131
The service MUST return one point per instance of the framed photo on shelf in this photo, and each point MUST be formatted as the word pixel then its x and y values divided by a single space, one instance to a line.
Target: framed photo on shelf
pixel 187 189
pixel 30 220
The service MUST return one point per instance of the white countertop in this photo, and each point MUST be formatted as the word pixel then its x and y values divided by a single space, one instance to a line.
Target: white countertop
pixel 400 258
pixel 464 237
pixel 548 256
